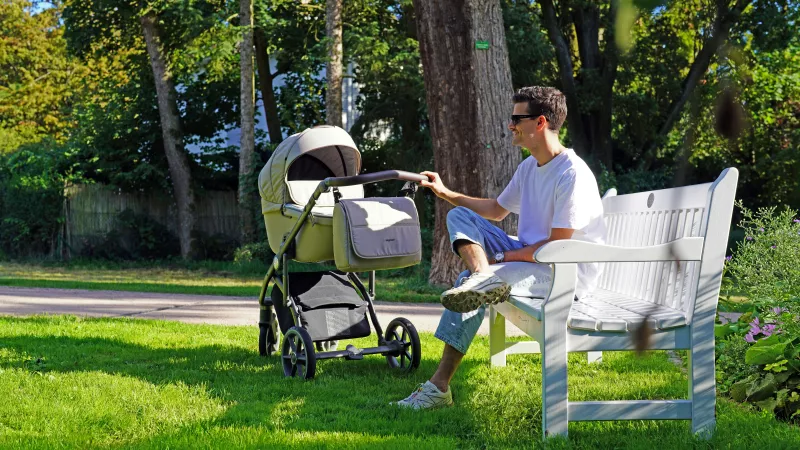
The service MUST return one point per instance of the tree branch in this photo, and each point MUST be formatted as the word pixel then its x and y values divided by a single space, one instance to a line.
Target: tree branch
pixel 720 31
pixel 574 124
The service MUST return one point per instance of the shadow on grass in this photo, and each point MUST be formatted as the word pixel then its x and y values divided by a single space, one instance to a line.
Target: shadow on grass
pixel 347 404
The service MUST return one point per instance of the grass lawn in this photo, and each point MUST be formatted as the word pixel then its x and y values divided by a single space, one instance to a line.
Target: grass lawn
pixel 200 278
pixel 98 383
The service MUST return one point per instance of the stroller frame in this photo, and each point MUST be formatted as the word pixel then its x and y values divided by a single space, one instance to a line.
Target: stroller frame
pixel 302 351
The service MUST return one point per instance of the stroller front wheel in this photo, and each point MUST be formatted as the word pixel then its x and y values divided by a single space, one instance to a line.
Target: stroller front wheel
pixel 408 357
pixel 299 359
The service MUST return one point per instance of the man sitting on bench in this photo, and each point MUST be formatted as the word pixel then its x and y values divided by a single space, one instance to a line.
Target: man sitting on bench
pixel 556 197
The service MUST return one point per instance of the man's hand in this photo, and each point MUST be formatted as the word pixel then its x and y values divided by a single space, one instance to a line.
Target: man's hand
pixel 435 184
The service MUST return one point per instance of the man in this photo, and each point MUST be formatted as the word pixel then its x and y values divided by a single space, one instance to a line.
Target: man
pixel 556 197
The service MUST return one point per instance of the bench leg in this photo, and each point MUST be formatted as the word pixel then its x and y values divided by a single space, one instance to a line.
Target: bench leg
pixel 555 312
pixel 594 357
pixel 702 383
pixel 554 391
pixel 497 338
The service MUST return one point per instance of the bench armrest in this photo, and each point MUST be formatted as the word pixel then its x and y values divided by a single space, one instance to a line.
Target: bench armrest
pixel 575 251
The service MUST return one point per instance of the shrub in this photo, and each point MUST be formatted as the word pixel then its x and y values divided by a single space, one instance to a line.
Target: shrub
pixel 758 361
pixel 634 180
pixel 218 246
pixel 764 265
pixel 257 251
pixel 31 198
pixel 133 237
pixel 758 357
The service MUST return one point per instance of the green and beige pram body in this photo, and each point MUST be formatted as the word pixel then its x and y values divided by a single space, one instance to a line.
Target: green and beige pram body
pixel 312 199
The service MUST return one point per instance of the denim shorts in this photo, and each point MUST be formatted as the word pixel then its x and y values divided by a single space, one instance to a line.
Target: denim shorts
pixel 459 329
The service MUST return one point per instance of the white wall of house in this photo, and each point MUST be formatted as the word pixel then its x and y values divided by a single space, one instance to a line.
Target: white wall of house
pixel 350 113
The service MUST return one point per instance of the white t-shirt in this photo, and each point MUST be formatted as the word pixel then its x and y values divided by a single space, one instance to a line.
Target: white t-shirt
pixel 561 194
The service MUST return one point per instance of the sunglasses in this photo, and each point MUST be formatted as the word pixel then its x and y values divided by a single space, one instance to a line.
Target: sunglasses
pixel 516 118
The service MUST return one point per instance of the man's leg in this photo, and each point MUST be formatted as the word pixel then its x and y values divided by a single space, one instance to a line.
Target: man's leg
pixel 472 254
pixel 451 359
pixel 471 236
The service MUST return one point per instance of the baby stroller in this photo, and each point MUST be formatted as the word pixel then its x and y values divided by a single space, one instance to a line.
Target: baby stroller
pixel 312 199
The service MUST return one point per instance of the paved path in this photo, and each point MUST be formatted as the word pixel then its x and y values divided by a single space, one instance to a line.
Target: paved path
pixel 185 308
pixel 193 308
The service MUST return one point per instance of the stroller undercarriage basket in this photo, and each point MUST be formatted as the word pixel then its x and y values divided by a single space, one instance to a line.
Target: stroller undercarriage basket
pixel 330 309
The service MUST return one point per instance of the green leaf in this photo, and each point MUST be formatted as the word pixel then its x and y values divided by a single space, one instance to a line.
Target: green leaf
pixel 779 366
pixel 739 390
pixel 720 331
pixel 768 405
pixel 766 351
pixel 761 389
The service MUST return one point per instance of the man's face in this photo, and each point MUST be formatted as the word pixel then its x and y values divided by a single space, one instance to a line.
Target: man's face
pixel 524 130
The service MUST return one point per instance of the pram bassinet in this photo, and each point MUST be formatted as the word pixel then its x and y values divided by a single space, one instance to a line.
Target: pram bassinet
pixel 289 179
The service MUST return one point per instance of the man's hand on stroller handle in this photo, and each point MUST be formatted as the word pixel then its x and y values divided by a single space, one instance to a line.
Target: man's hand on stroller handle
pixel 434 182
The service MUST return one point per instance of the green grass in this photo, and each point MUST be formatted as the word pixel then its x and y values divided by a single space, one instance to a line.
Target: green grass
pixel 100 383
pixel 198 278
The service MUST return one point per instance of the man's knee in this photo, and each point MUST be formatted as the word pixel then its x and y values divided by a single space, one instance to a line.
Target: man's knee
pixel 459 214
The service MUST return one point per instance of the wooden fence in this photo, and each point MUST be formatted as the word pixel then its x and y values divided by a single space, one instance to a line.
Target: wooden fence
pixel 90 211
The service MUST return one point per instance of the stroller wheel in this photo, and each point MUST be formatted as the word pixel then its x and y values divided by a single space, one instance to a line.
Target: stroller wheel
pixel 299 359
pixel 268 336
pixel 407 359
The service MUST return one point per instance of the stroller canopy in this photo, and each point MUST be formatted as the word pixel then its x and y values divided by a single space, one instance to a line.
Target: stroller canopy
pixel 311 155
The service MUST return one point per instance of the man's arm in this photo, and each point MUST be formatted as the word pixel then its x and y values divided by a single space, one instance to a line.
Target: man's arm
pixel 488 208
pixel 525 254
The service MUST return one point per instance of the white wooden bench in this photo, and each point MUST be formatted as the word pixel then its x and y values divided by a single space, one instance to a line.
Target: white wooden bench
pixel 663 261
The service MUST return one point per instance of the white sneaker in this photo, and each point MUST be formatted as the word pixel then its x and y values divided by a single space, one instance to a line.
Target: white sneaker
pixel 427 396
pixel 474 291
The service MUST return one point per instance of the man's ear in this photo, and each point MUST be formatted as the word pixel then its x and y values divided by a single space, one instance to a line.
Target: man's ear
pixel 541 122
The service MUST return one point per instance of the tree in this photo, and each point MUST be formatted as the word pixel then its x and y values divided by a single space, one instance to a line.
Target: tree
pixel 173 135
pixel 266 80
pixel 333 103
pixel 588 78
pixel 248 139
pixel 468 89
pixel 39 80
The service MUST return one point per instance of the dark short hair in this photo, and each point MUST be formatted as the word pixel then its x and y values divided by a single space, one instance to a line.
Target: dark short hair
pixel 546 101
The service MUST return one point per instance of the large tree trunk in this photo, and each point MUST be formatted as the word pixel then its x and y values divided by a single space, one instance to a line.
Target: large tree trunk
pixel 247 141
pixel 468 92
pixel 172 135
pixel 265 79
pixel 333 100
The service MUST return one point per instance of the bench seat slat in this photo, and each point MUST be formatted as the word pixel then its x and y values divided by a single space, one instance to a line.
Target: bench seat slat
pixel 609 311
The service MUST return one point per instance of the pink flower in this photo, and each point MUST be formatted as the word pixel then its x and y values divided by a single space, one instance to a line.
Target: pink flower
pixel 767 330
pixel 749 338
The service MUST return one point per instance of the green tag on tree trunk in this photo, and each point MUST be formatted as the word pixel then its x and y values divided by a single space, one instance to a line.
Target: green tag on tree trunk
pixel 482 45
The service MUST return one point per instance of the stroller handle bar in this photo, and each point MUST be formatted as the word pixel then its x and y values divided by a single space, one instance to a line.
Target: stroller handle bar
pixel 374 178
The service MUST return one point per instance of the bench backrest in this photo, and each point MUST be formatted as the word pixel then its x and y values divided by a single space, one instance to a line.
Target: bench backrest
pixel 658 217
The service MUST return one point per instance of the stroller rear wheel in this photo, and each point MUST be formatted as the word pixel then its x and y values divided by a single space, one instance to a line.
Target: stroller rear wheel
pixel 299 359
pixel 408 358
